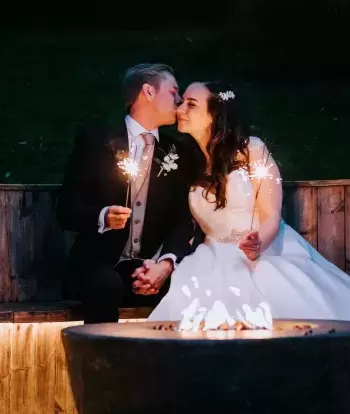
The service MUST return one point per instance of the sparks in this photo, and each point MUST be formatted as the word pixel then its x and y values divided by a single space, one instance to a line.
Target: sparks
pixel 129 166
pixel 261 171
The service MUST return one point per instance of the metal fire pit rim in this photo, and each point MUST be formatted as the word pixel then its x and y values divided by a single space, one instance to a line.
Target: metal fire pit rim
pixel 168 336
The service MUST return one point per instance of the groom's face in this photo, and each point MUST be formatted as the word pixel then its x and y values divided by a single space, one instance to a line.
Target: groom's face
pixel 166 100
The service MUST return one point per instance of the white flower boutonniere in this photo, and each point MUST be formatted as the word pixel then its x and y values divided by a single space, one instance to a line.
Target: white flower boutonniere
pixel 168 162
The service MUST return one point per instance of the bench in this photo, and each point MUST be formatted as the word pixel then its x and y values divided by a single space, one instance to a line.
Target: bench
pixel 63 311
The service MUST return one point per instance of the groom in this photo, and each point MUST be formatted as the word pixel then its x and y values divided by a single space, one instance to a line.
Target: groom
pixel 114 239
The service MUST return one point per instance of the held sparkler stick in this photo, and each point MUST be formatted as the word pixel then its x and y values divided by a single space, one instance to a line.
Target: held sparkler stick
pixel 130 168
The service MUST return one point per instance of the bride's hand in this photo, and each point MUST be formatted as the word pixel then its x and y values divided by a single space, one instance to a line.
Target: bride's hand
pixel 251 245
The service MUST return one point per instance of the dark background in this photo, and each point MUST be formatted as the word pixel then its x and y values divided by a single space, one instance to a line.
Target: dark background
pixel 61 65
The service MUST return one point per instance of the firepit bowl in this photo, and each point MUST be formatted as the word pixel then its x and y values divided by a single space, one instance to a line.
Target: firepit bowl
pixel 299 367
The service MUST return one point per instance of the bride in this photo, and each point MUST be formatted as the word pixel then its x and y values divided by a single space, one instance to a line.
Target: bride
pixel 250 258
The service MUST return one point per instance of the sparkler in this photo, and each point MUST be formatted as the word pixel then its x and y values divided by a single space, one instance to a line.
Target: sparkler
pixel 260 171
pixel 130 168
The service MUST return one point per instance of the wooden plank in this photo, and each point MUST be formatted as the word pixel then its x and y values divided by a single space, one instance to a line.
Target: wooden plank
pixel 16 244
pixel 64 400
pixel 70 305
pixel 51 254
pixel 300 211
pixel 33 213
pixel 135 313
pixel 8 289
pixel 65 315
pixel 347 229
pixel 38 316
pixel 29 187
pixel 41 312
pixel 331 222
pixel 305 208
pixel 33 369
pixel 37 247
pixel 23 392
pixel 45 365
pixel 6 317
pixel 5 366
pixel 316 183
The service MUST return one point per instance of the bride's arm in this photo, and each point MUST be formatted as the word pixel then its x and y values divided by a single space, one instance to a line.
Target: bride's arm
pixel 268 191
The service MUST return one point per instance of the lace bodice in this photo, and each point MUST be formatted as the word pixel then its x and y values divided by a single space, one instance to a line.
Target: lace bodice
pixel 249 198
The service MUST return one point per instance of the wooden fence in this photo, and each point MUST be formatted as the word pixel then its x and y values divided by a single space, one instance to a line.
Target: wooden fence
pixel 33 249
pixel 320 212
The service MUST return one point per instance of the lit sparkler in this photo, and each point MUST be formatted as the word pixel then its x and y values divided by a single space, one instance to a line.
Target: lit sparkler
pixel 130 168
pixel 261 171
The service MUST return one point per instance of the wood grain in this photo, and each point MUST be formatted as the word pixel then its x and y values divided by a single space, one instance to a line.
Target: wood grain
pixel 64 401
pixel 5 366
pixel 301 206
pixel 34 250
pixel 23 384
pixel 347 229
pixel 331 223
pixel 33 369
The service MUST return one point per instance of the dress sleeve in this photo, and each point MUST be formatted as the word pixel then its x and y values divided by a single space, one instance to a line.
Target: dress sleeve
pixel 267 183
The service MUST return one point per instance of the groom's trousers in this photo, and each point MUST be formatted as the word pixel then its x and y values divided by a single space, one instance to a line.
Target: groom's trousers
pixel 104 289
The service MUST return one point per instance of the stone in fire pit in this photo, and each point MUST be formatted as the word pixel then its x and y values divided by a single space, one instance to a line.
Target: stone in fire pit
pixel 149 368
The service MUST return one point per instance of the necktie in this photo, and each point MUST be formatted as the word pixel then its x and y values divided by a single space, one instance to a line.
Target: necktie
pixel 148 138
pixel 146 159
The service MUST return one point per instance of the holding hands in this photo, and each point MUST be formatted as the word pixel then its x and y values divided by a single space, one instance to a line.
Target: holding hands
pixel 151 276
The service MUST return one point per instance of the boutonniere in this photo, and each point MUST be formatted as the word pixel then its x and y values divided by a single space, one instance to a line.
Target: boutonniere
pixel 168 162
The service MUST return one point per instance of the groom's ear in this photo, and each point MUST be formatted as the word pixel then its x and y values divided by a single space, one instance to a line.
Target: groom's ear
pixel 148 91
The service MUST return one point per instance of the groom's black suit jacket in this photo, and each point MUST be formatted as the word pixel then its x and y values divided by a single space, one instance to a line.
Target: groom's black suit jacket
pixel 93 181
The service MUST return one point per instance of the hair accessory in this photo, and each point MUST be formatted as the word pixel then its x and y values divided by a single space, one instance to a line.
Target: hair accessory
pixel 225 96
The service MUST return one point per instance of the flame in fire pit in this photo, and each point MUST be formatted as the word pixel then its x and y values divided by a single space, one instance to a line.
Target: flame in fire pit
pixel 197 317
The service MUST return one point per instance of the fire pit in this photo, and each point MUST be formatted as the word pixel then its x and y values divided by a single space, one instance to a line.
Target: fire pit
pixel 297 367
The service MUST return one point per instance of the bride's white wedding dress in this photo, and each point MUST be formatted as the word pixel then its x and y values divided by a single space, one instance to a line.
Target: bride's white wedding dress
pixel 290 275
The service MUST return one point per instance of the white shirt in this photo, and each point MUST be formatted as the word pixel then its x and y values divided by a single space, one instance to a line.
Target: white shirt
pixel 136 142
pixel 136 147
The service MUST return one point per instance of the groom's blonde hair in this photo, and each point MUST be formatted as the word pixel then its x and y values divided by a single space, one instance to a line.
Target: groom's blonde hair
pixel 138 75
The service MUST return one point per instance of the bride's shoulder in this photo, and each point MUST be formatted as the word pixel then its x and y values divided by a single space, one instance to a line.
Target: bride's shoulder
pixel 256 147
pixel 255 143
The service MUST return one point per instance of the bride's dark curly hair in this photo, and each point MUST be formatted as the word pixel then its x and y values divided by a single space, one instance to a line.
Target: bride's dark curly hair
pixel 229 139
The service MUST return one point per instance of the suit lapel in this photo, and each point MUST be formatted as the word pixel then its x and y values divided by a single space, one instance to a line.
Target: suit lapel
pixel 158 183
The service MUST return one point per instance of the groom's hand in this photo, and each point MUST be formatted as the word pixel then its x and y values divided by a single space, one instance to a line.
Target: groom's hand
pixel 151 276
pixel 116 217
pixel 142 282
